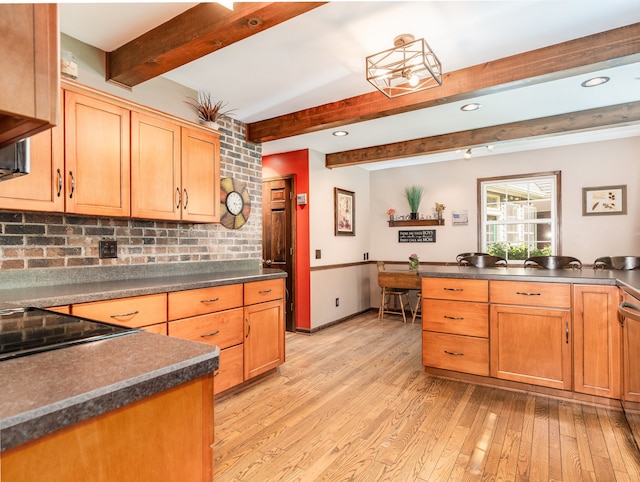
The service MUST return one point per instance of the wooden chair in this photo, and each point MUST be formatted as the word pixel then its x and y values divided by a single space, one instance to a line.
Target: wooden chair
pixel 389 294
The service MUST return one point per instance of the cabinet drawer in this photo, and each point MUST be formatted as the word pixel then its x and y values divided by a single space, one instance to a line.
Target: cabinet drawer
pixel 455 289
pixel 160 328
pixel 527 293
pixel 135 311
pixel 223 328
pixel 455 352
pixel 231 369
pixel 183 304
pixel 456 317
pixel 259 291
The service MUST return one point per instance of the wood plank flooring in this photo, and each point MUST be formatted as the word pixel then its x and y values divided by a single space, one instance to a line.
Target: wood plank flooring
pixel 352 403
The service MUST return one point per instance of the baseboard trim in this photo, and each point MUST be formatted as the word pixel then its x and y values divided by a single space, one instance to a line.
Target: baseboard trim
pixel 307 331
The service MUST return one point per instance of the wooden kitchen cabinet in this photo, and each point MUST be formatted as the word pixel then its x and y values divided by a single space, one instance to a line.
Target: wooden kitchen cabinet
pixel 30 70
pixel 455 324
pixel 43 188
pixel 175 170
pixel 156 189
pixel 212 315
pixel 166 436
pixel 200 164
pixel 264 328
pixel 531 344
pixel 148 312
pixel 97 155
pixel 631 354
pixel 596 340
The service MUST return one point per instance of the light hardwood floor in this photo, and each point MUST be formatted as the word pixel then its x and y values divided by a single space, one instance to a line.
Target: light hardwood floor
pixel 352 402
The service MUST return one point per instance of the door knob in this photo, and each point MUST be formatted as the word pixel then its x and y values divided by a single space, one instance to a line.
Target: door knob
pixel 268 262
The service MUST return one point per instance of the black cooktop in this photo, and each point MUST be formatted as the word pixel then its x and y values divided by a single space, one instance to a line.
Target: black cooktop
pixel 25 331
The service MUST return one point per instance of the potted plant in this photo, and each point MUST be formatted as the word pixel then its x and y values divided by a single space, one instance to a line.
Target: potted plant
pixel 414 196
pixel 209 113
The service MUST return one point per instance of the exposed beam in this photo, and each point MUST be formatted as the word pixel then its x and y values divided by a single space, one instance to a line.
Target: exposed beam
pixel 614 115
pixel 195 33
pixel 614 47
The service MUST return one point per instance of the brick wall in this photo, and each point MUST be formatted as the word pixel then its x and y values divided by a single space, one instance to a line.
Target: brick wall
pixel 50 240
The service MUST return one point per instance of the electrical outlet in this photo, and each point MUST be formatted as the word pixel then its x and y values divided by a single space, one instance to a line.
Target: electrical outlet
pixel 337 301
pixel 107 249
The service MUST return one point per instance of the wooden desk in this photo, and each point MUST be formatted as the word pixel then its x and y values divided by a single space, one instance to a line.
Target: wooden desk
pixel 401 279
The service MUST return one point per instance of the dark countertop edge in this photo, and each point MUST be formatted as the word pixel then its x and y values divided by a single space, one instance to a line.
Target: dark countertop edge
pixel 33 424
pixel 49 296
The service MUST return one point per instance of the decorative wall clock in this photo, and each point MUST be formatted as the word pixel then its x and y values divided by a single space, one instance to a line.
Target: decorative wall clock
pixel 235 203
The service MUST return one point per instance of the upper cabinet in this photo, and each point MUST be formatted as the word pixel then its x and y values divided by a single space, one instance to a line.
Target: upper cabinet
pixel 114 158
pixel 97 156
pixel 29 78
pixel 175 171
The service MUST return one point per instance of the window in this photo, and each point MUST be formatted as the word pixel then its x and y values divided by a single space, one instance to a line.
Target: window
pixel 519 216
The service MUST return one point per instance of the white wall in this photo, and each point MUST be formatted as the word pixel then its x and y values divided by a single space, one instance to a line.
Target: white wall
pixel 349 283
pixel 454 183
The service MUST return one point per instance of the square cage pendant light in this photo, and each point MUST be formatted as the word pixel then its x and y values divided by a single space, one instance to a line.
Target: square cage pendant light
pixel 408 67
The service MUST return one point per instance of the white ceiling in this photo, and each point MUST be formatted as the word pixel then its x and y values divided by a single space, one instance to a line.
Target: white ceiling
pixel 319 57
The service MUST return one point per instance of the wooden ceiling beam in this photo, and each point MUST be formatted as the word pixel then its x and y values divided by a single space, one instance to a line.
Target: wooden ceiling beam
pixel 606 49
pixel 199 31
pixel 611 116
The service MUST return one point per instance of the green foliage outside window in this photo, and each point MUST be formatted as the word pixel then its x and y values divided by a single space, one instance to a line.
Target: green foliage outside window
pixel 517 251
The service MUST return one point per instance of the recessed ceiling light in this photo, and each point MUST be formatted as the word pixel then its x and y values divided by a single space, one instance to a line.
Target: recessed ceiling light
pixel 340 133
pixel 595 81
pixel 470 107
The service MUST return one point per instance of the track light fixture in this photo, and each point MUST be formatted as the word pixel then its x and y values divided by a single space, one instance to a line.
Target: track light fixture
pixel 409 67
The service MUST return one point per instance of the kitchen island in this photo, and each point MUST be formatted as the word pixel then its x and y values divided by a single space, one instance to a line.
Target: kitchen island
pixel 555 332
pixel 133 407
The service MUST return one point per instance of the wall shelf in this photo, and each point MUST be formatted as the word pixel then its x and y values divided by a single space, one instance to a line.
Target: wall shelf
pixel 416 222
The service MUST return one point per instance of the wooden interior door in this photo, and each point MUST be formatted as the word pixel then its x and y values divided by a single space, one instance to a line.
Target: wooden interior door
pixel 278 250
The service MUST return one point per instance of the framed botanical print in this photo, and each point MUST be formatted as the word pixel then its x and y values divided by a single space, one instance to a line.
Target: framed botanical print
pixel 604 200
pixel 345 212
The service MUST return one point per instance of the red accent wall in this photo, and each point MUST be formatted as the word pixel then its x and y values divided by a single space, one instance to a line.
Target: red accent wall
pixel 296 163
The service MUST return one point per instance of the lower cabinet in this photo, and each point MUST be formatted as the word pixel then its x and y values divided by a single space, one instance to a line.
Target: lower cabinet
pixel 246 321
pixel 147 312
pixel 166 436
pixel 631 353
pixel 531 345
pixel 596 340
pixel 264 327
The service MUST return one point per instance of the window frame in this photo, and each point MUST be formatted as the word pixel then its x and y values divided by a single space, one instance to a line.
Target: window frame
pixel 557 203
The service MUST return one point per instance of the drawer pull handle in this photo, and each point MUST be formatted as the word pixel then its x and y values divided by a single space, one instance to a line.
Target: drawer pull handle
pixel 217 372
pixel 453 353
pixel 265 291
pixel 453 317
pixel 213 333
pixel 210 300
pixel 122 315
pixel 453 289
pixel 524 293
pixel 248 327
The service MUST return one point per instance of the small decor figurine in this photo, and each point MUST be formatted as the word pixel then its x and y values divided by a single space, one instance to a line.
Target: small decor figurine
pixel 414 196
pixel 391 213
pixel 209 113
pixel 414 261
pixel 439 208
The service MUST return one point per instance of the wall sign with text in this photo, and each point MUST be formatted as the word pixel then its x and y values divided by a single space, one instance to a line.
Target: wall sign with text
pixel 417 236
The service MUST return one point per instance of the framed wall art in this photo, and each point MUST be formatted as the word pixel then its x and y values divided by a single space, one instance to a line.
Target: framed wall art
pixel 345 212
pixel 604 200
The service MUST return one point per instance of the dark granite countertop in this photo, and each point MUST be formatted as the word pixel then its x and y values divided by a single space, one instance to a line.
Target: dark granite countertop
pixel 47 391
pixel 629 280
pixel 42 296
